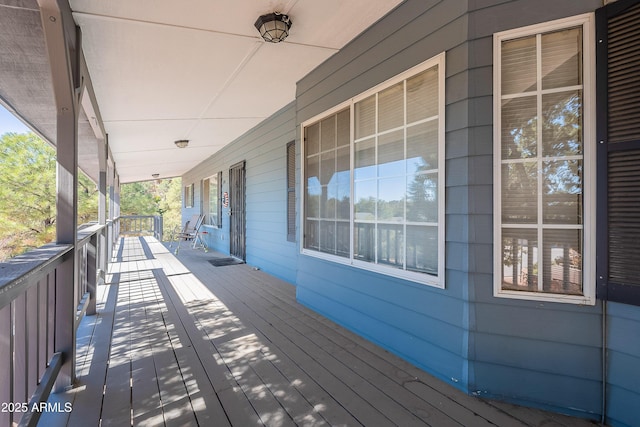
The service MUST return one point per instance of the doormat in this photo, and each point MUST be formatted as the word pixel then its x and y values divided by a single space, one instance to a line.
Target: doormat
pixel 221 262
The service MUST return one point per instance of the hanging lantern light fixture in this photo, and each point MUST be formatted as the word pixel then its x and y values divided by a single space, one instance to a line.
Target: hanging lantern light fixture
pixel 273 27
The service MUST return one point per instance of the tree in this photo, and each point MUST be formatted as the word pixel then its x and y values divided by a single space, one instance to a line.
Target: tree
pixel 28 194
pixel 162 197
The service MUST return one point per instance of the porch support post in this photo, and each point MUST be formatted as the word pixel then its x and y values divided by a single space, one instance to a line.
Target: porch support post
pixel 103 239
pixel 62 41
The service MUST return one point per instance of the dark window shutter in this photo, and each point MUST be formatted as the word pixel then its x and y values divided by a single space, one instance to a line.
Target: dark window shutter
pixel 291 191
pixel 618 104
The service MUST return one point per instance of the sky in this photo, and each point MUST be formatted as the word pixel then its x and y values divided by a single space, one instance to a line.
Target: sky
pixel 9 123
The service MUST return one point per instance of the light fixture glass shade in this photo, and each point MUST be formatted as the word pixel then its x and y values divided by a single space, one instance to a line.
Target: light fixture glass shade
pixel 273 27
pixel 181 143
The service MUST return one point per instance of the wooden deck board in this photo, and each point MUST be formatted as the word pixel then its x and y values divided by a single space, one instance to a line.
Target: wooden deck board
pixel 189 344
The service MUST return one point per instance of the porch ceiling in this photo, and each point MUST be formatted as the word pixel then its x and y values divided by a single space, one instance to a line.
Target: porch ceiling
pixel 164 71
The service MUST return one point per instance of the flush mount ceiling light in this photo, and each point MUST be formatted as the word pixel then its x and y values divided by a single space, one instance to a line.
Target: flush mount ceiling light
pixel 181 143
pixel 273 27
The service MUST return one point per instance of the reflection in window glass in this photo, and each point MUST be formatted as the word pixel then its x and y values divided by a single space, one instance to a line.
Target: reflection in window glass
pixel 422 147
pixel 519 128
pixel 520 259
pixel 542 156
pixel 392 218
pixel 327 178
pixel 214 200
pixel 562 124
pixel 562 197
pixel 520 189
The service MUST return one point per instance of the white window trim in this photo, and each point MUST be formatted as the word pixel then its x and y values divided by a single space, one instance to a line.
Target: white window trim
pixel 587 22
pixel 422 278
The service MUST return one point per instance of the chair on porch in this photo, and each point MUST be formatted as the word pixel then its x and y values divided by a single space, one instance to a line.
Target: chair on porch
pixel 189 232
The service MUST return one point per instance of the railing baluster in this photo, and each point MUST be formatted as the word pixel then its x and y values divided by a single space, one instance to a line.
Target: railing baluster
pixel 141 225
pixel 20 349
pixel 42 325
pixel 39 295
pixel 6 363
pixel 31 338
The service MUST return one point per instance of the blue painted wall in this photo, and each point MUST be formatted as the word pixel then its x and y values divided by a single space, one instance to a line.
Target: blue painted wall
pixel 547 355
pixel 264 150
pixel 425 325
pixel 623 365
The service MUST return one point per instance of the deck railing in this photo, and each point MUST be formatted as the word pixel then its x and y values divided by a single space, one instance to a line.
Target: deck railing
pixel 140 225
pixel 36 332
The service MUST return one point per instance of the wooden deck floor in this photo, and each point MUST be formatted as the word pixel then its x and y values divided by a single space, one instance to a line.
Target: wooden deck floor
pixel 179 342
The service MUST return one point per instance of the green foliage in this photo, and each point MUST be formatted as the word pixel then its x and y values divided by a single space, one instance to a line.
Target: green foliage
pixel 28 194
pixel 161 197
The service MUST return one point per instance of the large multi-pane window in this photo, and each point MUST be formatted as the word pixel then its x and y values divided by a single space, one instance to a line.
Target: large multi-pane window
pixel 374 178
pixel 543 215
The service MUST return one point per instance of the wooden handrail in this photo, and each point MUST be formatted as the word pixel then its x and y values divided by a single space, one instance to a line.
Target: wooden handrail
pixel 18 273
pixel 30 287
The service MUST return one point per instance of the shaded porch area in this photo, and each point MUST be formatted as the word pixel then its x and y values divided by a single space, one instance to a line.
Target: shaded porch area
pixel 177 341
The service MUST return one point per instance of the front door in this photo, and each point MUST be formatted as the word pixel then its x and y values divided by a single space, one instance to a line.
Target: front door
pixel 236 211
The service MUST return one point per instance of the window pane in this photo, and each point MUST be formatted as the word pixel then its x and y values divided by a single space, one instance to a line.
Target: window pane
pixel 365 117
pixel 391 154
pixel 519 65
pixel 422 249
pixel 364 241
pixel 391 108
pixel 519 132
pixel 343 184
pixel 422 95
pixel 342 239
pixel 391 245
pixel 213 200
pixel 327 179
pixel 562 197
pixel 562 262
pixel 311 234
pixel 520 259
pixel 314 189
pixel 328 236
pixel 328 134
pixel 312 137
pixel 365 200
pixel 343 137
pixel 562 124
pixel 327 167
pixel 562 58
pixel 391 192
pixel 422 198
pixel 328 203
pixel 520 193
pixel 365 159
pixel 357 207
pixel 422 147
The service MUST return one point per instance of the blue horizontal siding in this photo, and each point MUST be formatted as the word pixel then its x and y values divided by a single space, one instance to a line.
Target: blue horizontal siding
pixel 623 365
pixel 405 318
pixel 263 149
pixel 549 391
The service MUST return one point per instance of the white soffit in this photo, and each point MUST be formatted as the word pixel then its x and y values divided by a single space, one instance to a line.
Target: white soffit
pixel 198 70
